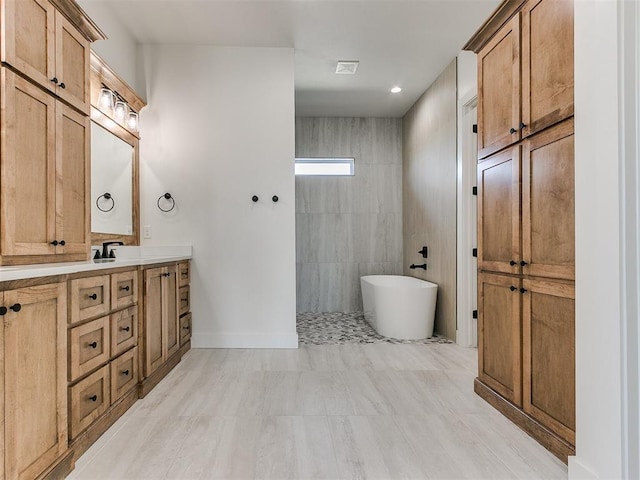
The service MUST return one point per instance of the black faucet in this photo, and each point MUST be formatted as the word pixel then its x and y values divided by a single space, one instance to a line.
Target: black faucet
pixel 105 248
pixel 423 266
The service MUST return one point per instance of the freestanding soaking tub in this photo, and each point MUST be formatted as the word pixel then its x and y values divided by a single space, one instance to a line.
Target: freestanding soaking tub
pixel 399 307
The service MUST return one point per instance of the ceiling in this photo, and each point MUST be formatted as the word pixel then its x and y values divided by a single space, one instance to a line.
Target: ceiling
pixel 398 42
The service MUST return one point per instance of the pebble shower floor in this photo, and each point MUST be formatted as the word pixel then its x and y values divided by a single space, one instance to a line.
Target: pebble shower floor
pixel 340 328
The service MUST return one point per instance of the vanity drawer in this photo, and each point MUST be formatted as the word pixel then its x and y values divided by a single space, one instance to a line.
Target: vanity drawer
pixel 89 399
pixel 124 330
pixel 185 328
pixel 90 297
pixel 124 289
pixel 184 274
pixel 124 374
pixel 184 300
pixel 89 347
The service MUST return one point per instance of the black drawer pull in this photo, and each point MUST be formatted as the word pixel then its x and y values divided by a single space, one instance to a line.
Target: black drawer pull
pixel 54 243
pixel 125 373
pixel 93 344
pixel 513 262
pixel 62 85
pixel 3 311
pixel 93 398
pixel 512 288
pixel 55 80
pixel 523 263
pixel 186 327
pixel 523 290
pixel 184 300
pixel 93 296
pixel 15 307
pixel 125 329
pixel 512 131
pixel 126 289
pixel 63 243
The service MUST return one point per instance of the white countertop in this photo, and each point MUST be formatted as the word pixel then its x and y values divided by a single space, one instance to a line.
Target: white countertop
pixel 125 257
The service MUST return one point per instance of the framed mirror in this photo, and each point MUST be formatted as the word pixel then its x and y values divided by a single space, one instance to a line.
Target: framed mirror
pixel 115 204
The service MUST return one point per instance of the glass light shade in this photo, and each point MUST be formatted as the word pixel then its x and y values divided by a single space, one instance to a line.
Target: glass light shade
pixel 132 121
pixel 106 99
pixel 120 111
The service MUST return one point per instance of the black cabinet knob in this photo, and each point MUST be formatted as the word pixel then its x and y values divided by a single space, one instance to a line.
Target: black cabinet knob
pixel 54 243
pixel 125 373
pixel 125 329
pixel 255 198
pixel 512 131
pixel 62 85
pixel 523 290
pixel 513 262
pixel 512 288
pixel 522 125
pixel 54 80
pixel 93 344
pixel 15 307
pixel 3 311
pixel 126 288
pixel 93 398
pixel 93 296
pixel 523 263
pixel 275 198
pixel 63 243
pixel 186 328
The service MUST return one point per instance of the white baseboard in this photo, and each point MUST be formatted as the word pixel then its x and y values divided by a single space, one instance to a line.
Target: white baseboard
pixel 244 340
pixel 578 471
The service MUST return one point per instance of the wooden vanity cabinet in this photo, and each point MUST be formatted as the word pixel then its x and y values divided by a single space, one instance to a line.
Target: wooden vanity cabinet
pixel 161 333
pixel 33 346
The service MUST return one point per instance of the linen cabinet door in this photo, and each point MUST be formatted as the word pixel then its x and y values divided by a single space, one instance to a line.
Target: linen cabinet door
pixel 72 65
pixel 499 90
pixel 28 176
pixel 547 63
pixel 73 168
pixel 499 331
pixel 28 39
pixel 154 332
pixel 548 203
pixel 549 355
pixel 35 385
pixel 499 212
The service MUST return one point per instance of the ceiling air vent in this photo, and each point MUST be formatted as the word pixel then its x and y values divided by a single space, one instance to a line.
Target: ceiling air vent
pixel 347 67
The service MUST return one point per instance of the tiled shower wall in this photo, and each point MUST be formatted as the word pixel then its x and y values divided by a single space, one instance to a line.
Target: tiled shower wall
pixel 347 227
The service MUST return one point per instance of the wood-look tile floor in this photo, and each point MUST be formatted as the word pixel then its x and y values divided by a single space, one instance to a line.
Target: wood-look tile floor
pixel 352 411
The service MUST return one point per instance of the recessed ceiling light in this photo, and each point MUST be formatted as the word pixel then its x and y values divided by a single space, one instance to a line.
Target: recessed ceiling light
pixel 395 90
pixel 347 67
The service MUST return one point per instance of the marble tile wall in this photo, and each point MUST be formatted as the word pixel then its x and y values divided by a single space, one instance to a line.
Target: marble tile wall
pixel 347 226
pixel 429 183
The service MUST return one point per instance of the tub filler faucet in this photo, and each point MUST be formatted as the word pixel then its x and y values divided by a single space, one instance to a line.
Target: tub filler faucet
pixel 414 266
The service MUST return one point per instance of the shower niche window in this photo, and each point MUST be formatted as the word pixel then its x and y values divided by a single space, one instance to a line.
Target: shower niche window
pixel 325 166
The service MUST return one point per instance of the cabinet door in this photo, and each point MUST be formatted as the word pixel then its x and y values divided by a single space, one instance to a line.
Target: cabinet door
pixel 154 333
pixel 499 212
pixel 499 90
pixel 28 38
pixel 171 303
pixel 549 355
pixel 72 64
pixel 499 330
pixel 73 194
pixel 28 174
pixel 547 63
pixel 548 203
pixel 35 394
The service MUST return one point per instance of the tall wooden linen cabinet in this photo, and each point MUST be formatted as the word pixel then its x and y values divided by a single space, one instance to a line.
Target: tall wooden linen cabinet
pixel 526 311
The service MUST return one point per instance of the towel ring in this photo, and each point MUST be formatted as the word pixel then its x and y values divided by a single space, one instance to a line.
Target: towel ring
pixel 107 196
pixel 167 196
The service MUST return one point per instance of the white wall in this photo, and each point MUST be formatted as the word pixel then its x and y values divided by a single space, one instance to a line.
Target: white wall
pixel 120 48
pixel 598 293
pixel 218 129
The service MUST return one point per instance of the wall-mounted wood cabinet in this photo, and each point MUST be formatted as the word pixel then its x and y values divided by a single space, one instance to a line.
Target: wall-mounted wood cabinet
pixel 525 75
pixel 33 348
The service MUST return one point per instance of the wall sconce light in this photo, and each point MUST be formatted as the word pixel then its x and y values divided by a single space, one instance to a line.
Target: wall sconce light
pixel 120 111
pixel 132 121
pixel 107 99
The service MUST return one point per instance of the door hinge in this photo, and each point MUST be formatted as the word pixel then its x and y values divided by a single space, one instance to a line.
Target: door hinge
pixel 474 252
pixel 474 314
pixel 475 128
